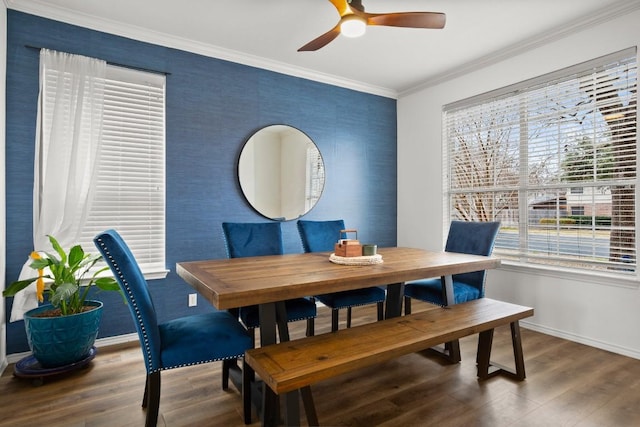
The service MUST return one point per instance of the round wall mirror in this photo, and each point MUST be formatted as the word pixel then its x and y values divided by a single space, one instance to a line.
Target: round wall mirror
pixel 281 172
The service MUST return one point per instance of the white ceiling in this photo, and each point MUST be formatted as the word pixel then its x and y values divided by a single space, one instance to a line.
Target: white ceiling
pixel 387 61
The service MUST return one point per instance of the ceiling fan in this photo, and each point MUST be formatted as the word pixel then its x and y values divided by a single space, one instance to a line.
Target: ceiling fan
pixel 354 20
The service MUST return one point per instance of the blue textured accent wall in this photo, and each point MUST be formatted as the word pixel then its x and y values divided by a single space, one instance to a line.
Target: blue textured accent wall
pixel 213 106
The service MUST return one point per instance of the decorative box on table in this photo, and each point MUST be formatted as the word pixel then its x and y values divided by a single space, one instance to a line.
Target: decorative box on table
pixel 348 247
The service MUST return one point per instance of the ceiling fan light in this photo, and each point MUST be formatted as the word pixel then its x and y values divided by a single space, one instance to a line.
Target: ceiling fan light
pixel 353 26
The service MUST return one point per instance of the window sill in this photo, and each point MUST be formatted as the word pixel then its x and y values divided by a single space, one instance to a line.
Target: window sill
pixel 155 274
pixel 151 274
pixel 630 282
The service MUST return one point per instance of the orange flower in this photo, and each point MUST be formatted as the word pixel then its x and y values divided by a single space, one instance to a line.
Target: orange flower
pixel 40 282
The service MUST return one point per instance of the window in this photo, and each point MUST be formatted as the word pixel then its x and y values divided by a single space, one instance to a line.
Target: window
pixel 315 177
pixel 577 210
pixel 129 194
pixel 553 159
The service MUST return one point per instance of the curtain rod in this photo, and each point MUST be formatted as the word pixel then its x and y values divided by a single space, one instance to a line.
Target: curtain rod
pixel 109 62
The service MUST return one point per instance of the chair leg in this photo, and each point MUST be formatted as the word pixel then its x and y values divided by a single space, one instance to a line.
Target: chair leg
pixel 311 327
pixel 226 366
pixel 334 319
pixel 152 399
pixel 407 305
pixel 380 310
pixel 145 397
pixel 348 317
pixel 247 378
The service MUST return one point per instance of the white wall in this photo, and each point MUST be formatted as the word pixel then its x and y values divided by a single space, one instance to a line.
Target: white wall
pixel 293 175
pixel 3 70
pixel 598 313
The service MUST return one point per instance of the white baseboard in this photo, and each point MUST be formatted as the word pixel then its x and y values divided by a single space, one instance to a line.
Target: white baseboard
pixel 102 342
pixel 582 340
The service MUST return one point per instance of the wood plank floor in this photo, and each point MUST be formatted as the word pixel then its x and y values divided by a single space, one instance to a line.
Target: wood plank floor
pixel 567 384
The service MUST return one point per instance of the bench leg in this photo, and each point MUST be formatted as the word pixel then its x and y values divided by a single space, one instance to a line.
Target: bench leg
pixel 451 351
pixel 270 416
pixel 292 413
pixel 487 369
pixel 485 340
pixel 309 407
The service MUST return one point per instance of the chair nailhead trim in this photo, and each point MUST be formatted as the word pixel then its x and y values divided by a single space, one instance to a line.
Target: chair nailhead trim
pixel 143 328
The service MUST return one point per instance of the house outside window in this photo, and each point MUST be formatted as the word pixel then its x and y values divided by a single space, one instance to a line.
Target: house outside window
pixel 553 159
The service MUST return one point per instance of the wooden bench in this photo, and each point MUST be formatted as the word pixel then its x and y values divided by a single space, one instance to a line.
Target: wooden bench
pixel 293 365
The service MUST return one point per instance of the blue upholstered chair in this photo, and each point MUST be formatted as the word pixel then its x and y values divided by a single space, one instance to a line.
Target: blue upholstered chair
pixel 245 239
pixel 467 237
pixel 320 236
pixel 185 341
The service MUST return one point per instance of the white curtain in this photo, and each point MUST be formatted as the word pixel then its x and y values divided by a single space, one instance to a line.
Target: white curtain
pixel 68 134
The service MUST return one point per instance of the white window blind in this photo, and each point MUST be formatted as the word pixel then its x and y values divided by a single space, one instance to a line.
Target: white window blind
pixel 130 191
pixel 553 159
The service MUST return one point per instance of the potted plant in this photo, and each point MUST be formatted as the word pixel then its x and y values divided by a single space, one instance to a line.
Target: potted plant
pixel 63 331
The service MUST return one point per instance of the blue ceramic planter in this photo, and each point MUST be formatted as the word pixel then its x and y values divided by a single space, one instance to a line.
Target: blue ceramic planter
pixel 59 341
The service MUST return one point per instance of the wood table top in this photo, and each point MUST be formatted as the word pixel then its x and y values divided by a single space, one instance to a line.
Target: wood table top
pixel 237 282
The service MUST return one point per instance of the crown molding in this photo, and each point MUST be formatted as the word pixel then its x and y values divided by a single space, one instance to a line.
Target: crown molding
pixel 42 9
pixel 598 17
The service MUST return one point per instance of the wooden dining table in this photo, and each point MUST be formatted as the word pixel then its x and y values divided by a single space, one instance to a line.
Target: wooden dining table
pixel 270 280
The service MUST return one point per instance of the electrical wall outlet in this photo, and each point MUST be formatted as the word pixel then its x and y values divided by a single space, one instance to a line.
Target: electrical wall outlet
pixel 193 300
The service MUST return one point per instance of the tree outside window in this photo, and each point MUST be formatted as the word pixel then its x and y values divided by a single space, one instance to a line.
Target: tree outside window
pixel 554 159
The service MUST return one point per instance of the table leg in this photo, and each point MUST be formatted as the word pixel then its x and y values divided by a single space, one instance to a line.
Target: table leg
pixel 452 347
pixel 281 321
pixel 292 410
pixel 395 294
pixel 272 316
pixel 518 355
pixel 447 289
pixel 267 313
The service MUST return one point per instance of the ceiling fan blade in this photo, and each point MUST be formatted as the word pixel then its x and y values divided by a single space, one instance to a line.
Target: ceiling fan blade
pixel 321 41
pixel 434 20
pixel 342 6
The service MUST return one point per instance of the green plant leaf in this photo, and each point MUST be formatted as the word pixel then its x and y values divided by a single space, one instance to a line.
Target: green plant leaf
pixel 107 284
pixel 89 261
pixel 76 256
pixel 41 263
pixel 63 292
pixel 65 275
pixel 58 249
pixel 16 287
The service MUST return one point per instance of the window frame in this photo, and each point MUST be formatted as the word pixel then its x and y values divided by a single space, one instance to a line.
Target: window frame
pixel 505 93
pixel 136 125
